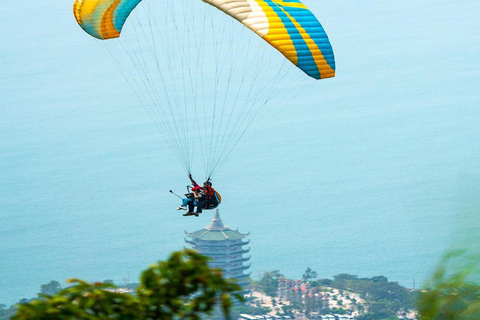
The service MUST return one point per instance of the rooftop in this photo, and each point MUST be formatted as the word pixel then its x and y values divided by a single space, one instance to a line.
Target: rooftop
pixel 216 231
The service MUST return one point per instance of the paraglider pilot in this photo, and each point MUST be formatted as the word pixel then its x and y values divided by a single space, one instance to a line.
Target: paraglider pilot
pixel 201 197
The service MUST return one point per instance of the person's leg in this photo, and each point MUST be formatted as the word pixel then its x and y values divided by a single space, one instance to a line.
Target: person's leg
pixel 191 206
pixel 201 205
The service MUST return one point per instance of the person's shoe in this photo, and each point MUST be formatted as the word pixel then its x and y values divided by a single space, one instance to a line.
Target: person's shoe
pixel 196 214
pixel 182 208
pixel 188 214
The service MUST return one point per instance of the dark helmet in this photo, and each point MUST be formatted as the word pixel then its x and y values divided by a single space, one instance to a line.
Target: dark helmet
pixel 208 183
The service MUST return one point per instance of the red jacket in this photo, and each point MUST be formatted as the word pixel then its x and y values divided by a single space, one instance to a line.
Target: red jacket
pixel 208 191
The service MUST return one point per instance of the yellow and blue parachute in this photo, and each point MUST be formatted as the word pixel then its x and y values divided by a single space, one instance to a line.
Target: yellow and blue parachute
pixel 288 25
pixel 204 79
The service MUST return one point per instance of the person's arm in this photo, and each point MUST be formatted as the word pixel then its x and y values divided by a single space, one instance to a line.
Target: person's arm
pixel 193 181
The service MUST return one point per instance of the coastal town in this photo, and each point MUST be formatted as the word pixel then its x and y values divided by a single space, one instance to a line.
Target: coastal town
pixel 352 305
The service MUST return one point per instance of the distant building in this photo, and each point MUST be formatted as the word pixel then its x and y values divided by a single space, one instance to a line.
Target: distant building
pixel 225 247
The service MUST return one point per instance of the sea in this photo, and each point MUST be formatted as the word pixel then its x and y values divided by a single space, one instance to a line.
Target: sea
pixel 369 173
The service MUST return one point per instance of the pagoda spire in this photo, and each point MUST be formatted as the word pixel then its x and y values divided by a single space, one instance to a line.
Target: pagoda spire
pixel 217 223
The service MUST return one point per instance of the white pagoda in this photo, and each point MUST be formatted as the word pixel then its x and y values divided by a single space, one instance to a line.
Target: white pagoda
pixel 225 247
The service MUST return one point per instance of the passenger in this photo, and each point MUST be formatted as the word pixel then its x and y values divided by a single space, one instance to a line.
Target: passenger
pixel 188 198
pixel 198 200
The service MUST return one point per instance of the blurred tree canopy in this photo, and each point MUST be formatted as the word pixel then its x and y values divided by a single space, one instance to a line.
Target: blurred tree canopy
pixel 182 287
pixel 453 292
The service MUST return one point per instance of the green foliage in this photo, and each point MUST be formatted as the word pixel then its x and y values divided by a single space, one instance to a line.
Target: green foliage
pixel 341 281
pixel 382 315
pixel 377 289
pixel 252 285
pixel 310 304
pixel 268 283
pixel 326 310
pixel 50 288
pixel 451 295
pixel 377 316
pixel 182 287
pixel 7 313
pixel 382 307
pixel 130 286
pixel 344 276
pixel 383 299
pixel 339 310
pixel 379 279
pixel 325 282
pixel 235 312
pixel 288 310
pixel 80 301
pixel 309 274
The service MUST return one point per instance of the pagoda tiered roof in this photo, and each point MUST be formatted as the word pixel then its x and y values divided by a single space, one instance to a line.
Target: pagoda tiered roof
pixel 216 231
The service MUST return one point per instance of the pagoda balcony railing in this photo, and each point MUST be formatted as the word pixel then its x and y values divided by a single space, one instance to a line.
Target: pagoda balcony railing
pixel 216 245
pixel 211 245
pixel 226 248
pixel 241 251
pixel 222 248
pixel 222 257
pixel 228 267
pixel 240 243
pixel 224 261
pixel 222 244
pixel 240 268
pixel 239 277
pixel 209 252
pixel 240 259
pixel 214 255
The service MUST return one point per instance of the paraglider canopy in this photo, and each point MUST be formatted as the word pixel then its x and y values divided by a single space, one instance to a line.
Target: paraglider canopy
pixel 203 77
pixel 288 26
